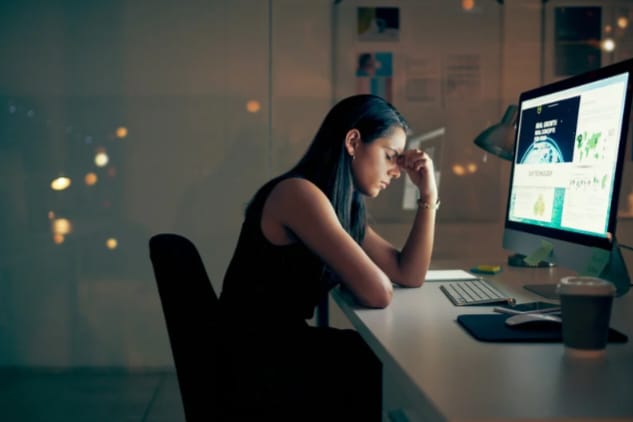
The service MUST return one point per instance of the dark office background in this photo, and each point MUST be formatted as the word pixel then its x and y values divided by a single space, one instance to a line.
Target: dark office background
pixel 195 104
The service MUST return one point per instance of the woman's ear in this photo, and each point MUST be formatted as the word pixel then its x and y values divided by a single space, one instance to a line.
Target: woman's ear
pixel 352 141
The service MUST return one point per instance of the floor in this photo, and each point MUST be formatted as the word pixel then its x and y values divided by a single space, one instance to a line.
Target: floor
pixel 96 394
pixel 89 395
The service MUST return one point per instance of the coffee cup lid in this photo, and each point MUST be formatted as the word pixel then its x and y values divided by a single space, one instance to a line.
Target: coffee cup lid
pixel 585 285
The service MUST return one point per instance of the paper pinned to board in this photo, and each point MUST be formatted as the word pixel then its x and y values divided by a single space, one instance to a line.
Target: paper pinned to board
pixel 449 275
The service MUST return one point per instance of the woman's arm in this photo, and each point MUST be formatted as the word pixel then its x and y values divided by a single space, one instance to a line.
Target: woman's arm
pixel 408 267
pixel 296 208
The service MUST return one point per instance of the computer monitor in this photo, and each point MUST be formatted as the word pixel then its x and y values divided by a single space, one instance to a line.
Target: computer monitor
pixel 565 177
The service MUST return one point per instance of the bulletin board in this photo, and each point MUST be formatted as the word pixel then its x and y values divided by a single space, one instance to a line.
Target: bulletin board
pixel 439 64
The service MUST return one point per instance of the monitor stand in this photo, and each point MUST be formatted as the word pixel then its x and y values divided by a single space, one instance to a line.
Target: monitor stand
pixel 615 271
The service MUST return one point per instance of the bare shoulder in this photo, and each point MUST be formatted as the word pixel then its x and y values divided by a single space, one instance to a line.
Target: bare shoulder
pixel 292 204
pixel 296 202
pixel 296 192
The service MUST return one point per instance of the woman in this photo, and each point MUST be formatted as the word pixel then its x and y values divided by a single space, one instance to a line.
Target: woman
pixel 305 232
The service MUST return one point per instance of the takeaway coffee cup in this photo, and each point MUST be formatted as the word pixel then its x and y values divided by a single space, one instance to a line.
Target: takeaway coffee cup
pixel 586 312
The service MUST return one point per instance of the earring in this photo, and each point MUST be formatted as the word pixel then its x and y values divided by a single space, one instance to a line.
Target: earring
pixel 353 156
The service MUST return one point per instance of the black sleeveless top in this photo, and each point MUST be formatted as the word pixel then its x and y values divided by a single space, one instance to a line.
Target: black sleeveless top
pixel 269 358
pixel 270 285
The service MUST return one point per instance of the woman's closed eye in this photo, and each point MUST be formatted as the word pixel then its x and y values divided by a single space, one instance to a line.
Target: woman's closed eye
pixel 391 154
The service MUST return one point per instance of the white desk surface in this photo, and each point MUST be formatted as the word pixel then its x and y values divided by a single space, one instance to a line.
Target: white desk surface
pixel 442 373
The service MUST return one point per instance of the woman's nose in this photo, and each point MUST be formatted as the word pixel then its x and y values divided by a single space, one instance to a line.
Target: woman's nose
pixel 395 172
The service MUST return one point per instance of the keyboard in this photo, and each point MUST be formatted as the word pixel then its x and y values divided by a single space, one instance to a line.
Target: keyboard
pixel 474 292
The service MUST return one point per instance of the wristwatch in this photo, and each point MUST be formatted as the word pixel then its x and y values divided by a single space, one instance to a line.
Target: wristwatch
pixel 429 206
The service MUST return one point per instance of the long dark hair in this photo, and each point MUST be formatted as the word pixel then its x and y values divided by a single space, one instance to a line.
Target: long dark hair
pixel 327 164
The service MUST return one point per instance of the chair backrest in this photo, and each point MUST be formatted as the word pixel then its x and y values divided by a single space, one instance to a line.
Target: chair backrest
pixel 190 307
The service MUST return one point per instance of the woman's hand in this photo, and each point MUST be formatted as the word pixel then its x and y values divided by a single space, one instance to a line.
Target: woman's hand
pixel 419 167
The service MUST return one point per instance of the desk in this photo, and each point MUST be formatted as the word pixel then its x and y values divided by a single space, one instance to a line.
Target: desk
pixel 434 370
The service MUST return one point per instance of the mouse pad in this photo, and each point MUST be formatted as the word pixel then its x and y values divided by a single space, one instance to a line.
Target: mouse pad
pixel 493 328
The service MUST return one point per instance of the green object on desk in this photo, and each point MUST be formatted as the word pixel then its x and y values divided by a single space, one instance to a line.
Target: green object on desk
pixel 599 260
pixel 485 269
pixel 540 254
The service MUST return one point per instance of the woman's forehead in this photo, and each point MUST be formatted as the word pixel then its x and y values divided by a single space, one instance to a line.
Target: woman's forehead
pixel 396 139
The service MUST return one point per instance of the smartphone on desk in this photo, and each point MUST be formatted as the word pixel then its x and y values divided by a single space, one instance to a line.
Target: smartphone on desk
pixel 527 308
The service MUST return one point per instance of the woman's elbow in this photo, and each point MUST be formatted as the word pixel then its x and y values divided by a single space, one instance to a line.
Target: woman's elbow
pixel 412 279
pixel 413 283
pixel 380 299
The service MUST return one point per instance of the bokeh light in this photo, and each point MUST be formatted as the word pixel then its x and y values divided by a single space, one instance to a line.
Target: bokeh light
pixel 459 170
pixel 101 159
pixel 111 243
pixel 91 179
pixel 253 106
pixel 623 22
pixel 62 226
pixel 121 132
pixel 468 5
pixel 58 239
pixel 608 45
pixel 60 183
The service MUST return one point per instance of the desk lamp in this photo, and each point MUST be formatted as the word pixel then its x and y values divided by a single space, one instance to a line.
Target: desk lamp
pixel 498 140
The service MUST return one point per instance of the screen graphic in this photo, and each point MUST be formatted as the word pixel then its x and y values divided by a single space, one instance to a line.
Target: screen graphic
pixel 548 132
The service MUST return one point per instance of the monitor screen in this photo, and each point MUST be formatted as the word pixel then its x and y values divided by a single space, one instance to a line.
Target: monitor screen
pixel 568 156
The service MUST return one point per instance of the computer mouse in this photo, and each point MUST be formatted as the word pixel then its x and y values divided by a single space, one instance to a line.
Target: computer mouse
pixel 532 320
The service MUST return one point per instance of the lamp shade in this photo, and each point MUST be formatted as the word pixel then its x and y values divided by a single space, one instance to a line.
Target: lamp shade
pixel 498 139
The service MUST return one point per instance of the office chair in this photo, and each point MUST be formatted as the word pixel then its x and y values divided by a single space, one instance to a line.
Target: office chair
pixel 190 306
